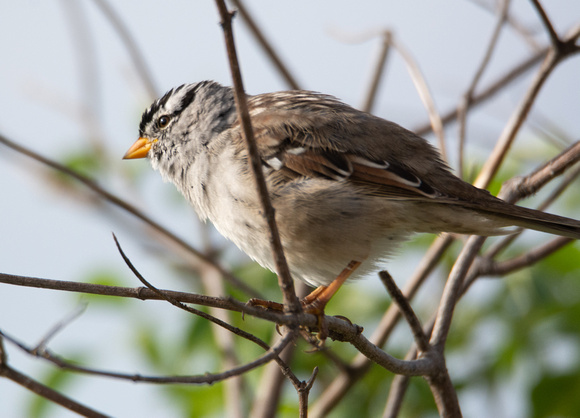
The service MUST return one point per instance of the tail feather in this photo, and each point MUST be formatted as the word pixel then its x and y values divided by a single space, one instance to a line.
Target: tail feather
pixel 533 219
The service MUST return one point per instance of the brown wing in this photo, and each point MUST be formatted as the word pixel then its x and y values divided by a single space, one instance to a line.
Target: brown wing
pixel 315 135
pixel 308 134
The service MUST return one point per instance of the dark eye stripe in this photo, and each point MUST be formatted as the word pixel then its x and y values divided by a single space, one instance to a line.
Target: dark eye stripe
pixel 187 99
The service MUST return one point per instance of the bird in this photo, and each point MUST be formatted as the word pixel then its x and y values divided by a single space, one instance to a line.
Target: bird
pixel 347 187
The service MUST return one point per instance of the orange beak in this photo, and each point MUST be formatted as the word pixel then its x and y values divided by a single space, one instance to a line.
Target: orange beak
pixel 139 149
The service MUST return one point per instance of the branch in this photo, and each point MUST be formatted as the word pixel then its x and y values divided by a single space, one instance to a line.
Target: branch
pixel 60 326
pixel 407 311
pixel 207 378
pixel 425 96
pixel 553 57
pixel 42 390
pixel 525 260
pixel 130 44
pixel 303 393
pixel 465 103
pixel 546 21
pixel 452 291
pixel 291 302
pixel 378 72
pixel 175 302
pixel 491 90
pixel 266 46
pixel 520 187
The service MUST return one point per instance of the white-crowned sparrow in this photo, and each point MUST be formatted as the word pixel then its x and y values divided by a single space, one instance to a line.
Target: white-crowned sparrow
pixel 348 187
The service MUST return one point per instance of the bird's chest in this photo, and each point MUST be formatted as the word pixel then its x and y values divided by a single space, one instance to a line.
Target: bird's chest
pixel 230 201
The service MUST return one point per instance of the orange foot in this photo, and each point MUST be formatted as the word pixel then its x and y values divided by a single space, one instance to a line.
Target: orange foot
pixel 316 301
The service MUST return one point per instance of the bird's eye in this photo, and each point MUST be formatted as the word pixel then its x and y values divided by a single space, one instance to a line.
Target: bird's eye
pixel 163 121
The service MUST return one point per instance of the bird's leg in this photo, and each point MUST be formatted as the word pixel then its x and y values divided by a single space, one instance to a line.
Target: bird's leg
pixel 316 301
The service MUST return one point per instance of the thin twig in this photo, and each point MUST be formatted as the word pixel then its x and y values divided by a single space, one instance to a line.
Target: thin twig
pixel 547 23
pixel 130 44
pixel 406 310
pixel 42 390
pixel 510 131
pixel 266 46
pixel 527 259
pixel 491 90
pixel 452 289
pixel 466 101
pixel 378 72
pixel 424 94
pixel 291 302
pixel 304 392
pixel 180 305
pixel 207 378
pixel 60 326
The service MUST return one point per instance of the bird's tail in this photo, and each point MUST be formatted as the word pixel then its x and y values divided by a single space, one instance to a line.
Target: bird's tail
pixel 533 219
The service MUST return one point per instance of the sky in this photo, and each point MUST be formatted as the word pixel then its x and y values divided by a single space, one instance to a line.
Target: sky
pixel 62 62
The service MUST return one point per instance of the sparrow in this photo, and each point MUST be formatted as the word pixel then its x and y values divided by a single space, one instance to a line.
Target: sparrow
pixel 347 187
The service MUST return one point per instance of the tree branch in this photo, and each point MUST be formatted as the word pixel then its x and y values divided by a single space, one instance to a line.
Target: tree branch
pixel 291 301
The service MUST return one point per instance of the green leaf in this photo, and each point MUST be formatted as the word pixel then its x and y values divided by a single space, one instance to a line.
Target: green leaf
pixel 557 396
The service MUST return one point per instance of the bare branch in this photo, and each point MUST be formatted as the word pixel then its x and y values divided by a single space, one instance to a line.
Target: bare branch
pixel 378 72
pixel 206 378
pixel 284 278
pixel 520 187
pixel 407 311
pixel 491 90
pixel 465 103
pixel 424 94
pixel 60 326
pixel 546 21
pixel 42 390
pixel 303 393
pixel 525 260
pixel 266 46
pixel 130 44
pixel 452 291
pixel 517 119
